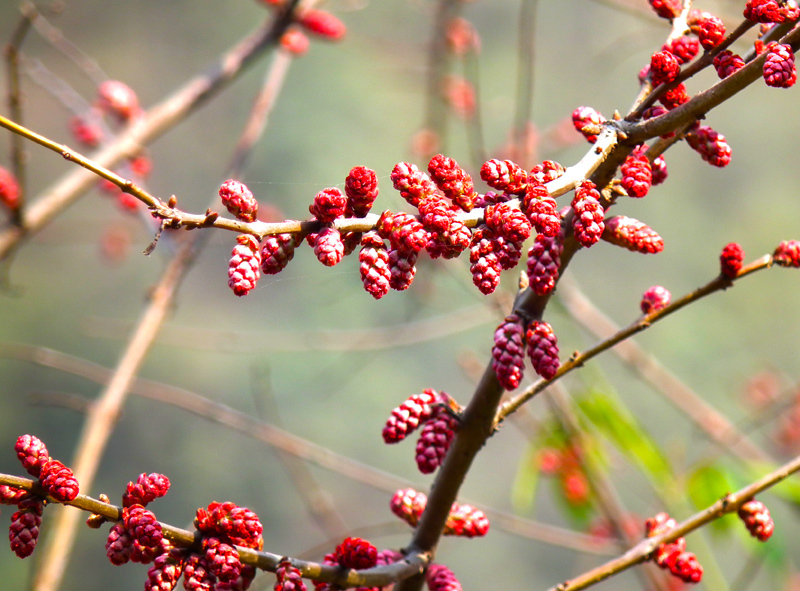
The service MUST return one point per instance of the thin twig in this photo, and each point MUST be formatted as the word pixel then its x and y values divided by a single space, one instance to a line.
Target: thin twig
pixel 644 549
pixel 709 420
pixel 374 577
pixel 606 496
pixel 152 125
pixel 718 284
pixel 317 500
pixel 283 441
pixel 332 339
pixel 15 109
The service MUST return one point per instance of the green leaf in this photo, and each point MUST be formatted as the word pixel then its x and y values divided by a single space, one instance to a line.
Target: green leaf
pixel 613 420
pixel 523 491
pixel 706 485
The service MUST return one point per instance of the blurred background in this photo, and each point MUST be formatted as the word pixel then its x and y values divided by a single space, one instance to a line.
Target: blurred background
pixel 311 351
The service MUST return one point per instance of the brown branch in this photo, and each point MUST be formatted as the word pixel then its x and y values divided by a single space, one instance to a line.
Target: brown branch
pixel 260 111
pixel 718 284
pixel 15 108
pixel 703 102
pixel 333 339
pixel 644 549
pixel 318 502
pixel 102 416
pixel 606 496
pixel 152 125
pixel 281 440
pixel 526 56
pixel 709 420
pixel 268 561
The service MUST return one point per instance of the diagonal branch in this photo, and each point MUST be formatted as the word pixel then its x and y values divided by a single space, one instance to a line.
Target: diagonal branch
pixel 644 549
pixel 708 419
pixel 718 284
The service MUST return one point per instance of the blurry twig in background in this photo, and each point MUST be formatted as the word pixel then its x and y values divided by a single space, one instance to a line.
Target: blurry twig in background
pixel 333 339
pixel 523 149
pixel 705 417
pixel 606 496
pixel 156 121
pixel 18 154
pixel 277 438
pixel 719 283
pixel 103 414
pixel 318 501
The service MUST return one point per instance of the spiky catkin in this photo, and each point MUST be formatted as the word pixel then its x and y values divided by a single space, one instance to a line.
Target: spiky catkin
pixel 588 122
pixel 23 533
pixel 288 577
pixel 32 453
pixel 328 205
pixel 453 181
pixel 119 544
pixel 276 252
pixel 637 176
pixel 711 145
pixel 632 234
pixel 508 352
pixel 466 521
pixel 243 268
pixel 709 29
pixel 408 504
pixel 167 568
pixel 374 265
pixel 361 188
pixel 402 269
pixel 542 210
pixel 328 247
pixel 685 48
pixel 403 231
pixel 548 170
pixel 655 298
pixel 508 221
pixel 787 254
pixel 440 578
pixel 544 261
pixel 239 200
pixel 731 260
pixel 664 67
pixel 415 411
pixel 147 488
pixel 413 184
pixel 587 224
pixel 59 481
pixel 674 97
pixel 757 519
pixel 356 553
pixel 667 9
pixel 9 189
pixel 504 175
pixel 434 440
pixel 779 68
pixel 543 349
pixel 726 63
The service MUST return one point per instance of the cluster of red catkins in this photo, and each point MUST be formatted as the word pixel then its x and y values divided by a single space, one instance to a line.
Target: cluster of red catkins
pixel 54 478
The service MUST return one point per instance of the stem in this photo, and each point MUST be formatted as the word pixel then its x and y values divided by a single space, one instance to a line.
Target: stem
pixel 153 124
pixel 640 553
pixel 373 577
pixel 717 284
